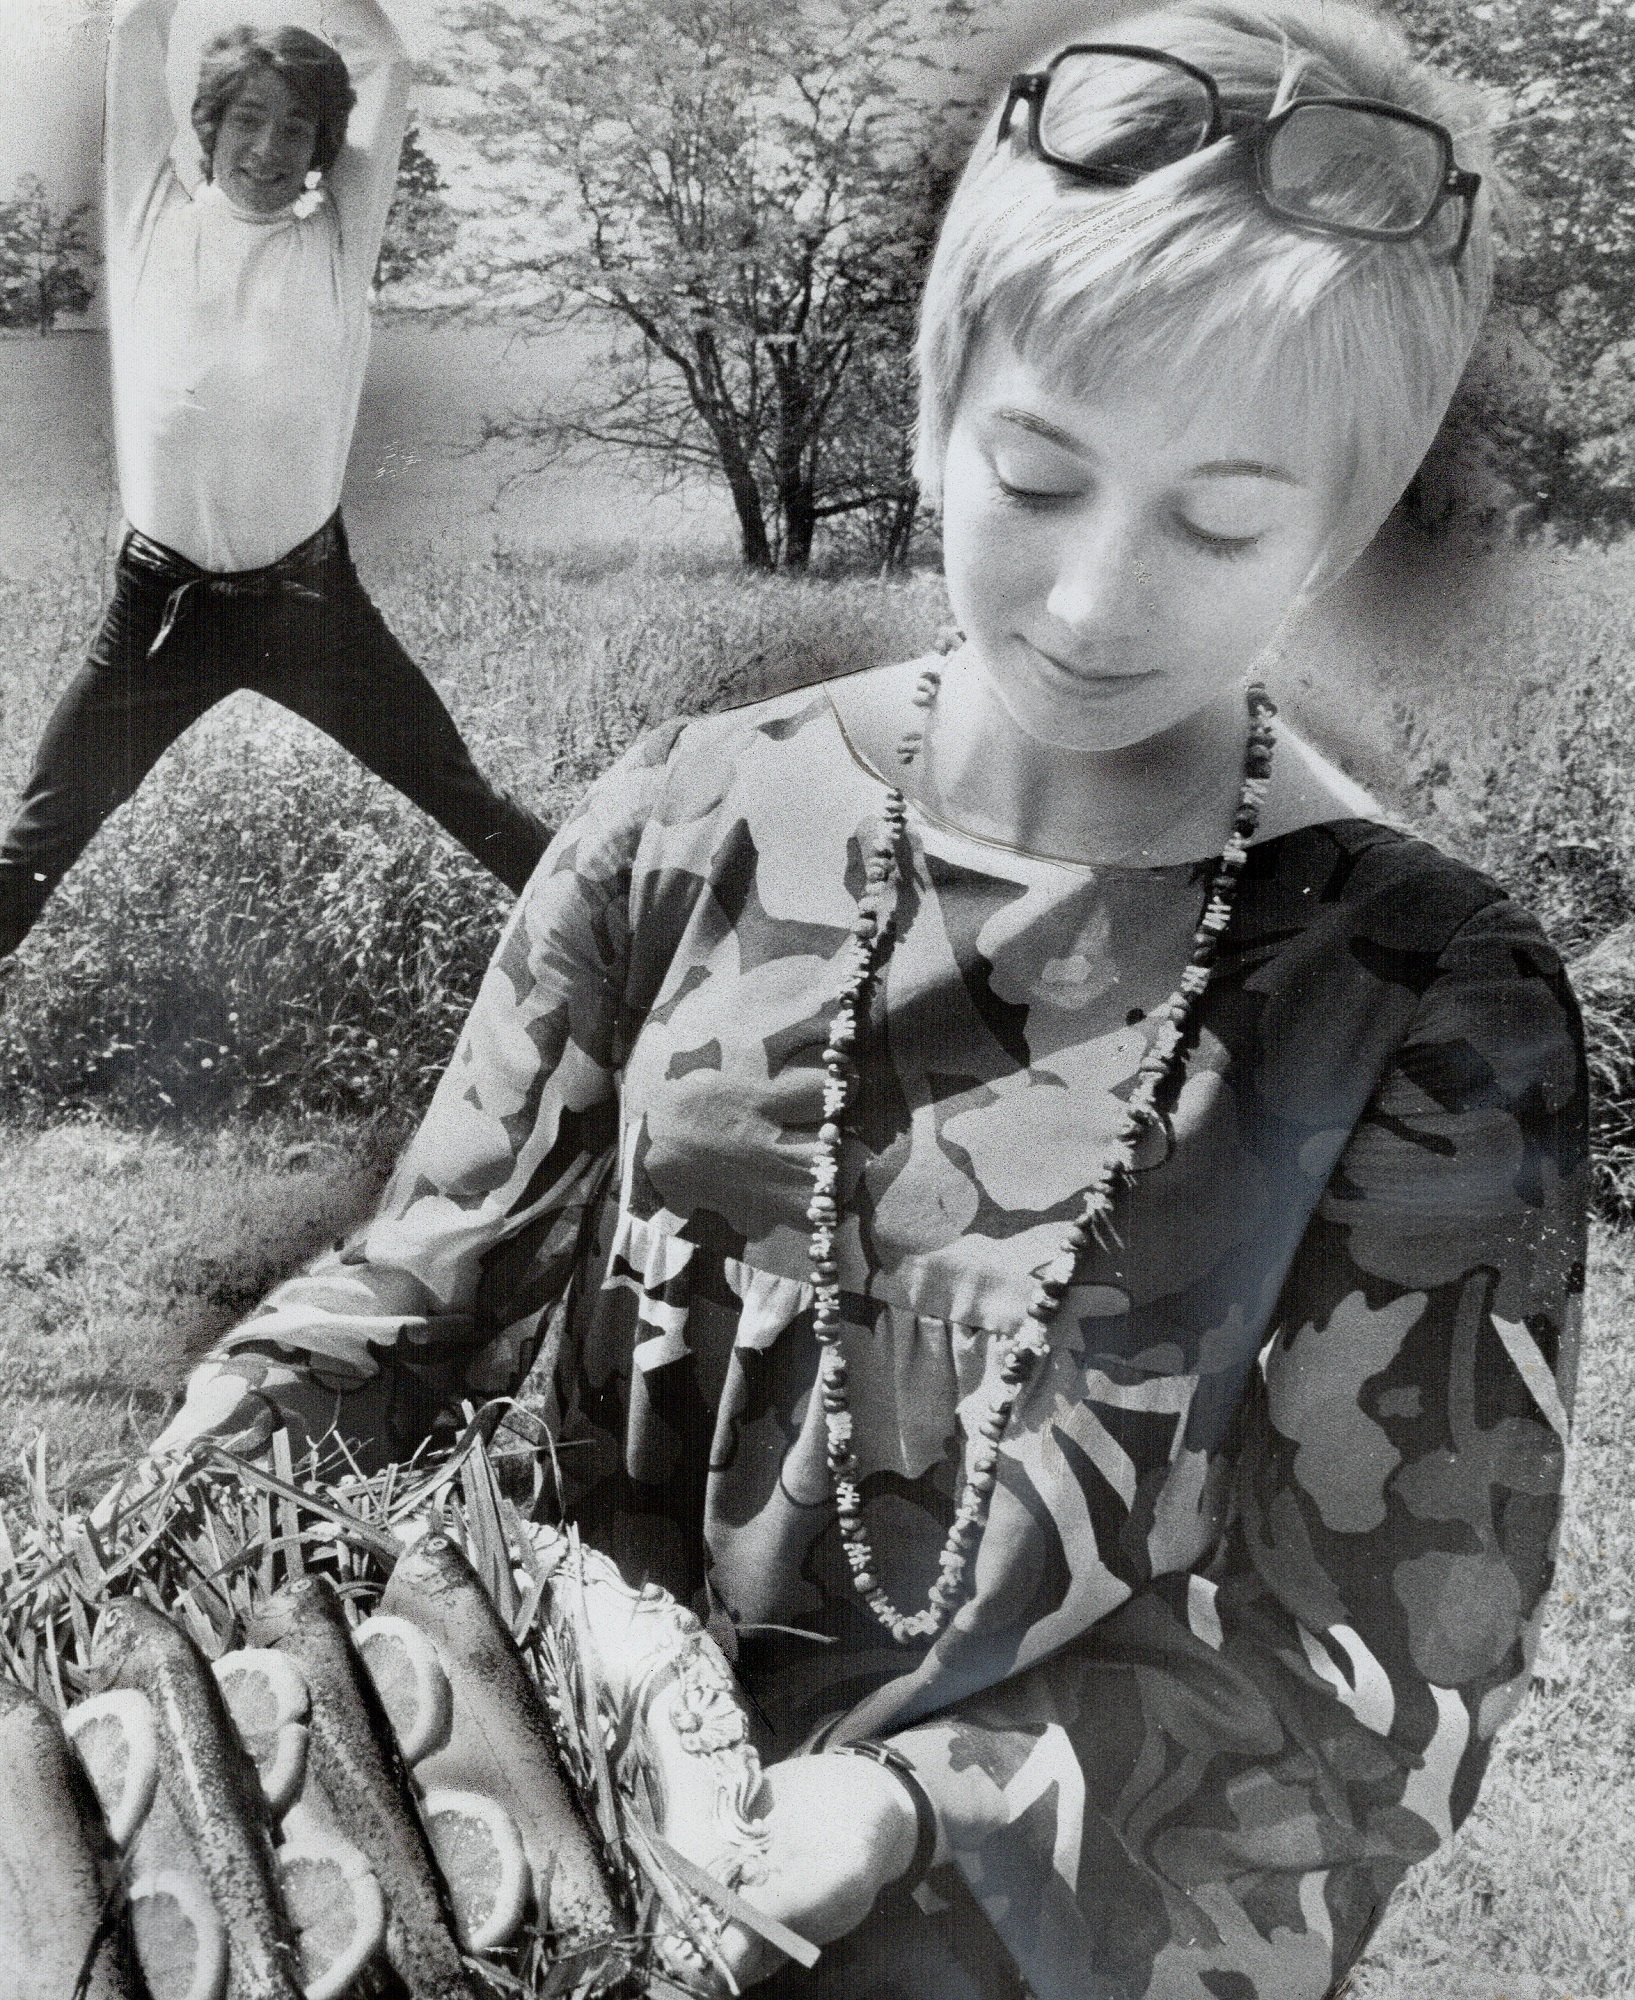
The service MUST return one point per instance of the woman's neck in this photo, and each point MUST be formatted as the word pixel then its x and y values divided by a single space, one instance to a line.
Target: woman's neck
pixel 1159 803
pixel 1168 799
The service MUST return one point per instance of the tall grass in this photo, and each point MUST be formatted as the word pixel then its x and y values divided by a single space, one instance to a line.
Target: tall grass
pixel 267 927
pixel 1489 695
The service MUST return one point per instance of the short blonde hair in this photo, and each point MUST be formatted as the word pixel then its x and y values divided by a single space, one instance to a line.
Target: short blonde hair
pixel 1188 269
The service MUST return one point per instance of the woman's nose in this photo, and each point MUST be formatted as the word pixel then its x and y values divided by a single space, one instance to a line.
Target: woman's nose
pixel 1101 571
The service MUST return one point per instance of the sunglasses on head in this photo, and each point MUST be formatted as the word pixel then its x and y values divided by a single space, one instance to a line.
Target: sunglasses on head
pixel 1111 113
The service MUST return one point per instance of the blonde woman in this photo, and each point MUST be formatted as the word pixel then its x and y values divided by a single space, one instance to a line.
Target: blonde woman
pixel 239 264
pixel 1060 1231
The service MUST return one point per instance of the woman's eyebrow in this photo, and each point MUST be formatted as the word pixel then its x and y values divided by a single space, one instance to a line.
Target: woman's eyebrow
pixel 1041 427
pixel 1215 468
pixel 1243 468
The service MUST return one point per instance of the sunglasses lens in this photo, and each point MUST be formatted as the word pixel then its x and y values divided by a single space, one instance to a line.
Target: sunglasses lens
pixel 1335 165
pixel 1122 111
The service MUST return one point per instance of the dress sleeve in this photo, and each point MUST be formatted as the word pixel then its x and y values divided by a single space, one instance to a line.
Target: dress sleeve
pixel 139 127
pixel 1215 1790
pixel 380 1339
pixel 363 179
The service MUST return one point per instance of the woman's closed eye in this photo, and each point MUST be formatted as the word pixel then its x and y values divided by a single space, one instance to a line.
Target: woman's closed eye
pixel 1215 541
pixel 1036 475
pixel 1037 496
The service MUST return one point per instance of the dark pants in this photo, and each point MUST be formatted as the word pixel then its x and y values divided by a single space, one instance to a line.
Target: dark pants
pixel 175 640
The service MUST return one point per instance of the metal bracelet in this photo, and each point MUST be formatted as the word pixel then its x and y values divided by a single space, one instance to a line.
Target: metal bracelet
pixel 925 1813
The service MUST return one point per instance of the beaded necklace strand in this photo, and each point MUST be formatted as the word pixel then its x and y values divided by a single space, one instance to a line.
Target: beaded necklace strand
pixel 1020 1353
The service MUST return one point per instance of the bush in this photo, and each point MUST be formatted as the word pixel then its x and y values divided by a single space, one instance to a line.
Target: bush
pixel 266 927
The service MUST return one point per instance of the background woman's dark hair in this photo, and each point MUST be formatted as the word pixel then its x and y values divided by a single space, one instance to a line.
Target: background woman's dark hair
pixel 310 67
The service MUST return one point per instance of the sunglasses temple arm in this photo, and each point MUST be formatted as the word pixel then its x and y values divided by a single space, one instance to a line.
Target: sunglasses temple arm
pixel 1024 90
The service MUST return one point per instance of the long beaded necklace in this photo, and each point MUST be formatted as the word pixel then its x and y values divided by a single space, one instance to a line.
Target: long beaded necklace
pixel 1020 1353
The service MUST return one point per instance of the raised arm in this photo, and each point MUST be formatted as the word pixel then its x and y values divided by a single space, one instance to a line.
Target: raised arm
pixel 139 127
pixel 1220 1784
pixel 444 1294
pixel 363 178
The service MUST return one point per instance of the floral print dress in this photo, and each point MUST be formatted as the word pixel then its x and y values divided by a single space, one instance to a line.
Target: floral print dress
pixel 1273 1526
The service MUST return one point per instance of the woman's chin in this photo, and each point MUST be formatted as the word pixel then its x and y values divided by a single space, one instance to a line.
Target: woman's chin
pixel 1103 716
pixel 259 197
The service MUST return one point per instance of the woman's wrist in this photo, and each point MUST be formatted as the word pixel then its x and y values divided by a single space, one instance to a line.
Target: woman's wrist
pixel 922 1828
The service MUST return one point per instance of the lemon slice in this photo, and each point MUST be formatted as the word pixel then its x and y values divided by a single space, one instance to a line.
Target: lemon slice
pixel 114 1736
pixel 479 1854
pixel 411 1683
pixel 263 1690
pixel 181 1944
pixel 268 1698
pixel 334 1901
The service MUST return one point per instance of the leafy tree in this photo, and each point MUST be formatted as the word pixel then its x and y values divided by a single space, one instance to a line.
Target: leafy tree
pixel 44 258
pixel 420 226
pixel 747 189
pixel 1553 402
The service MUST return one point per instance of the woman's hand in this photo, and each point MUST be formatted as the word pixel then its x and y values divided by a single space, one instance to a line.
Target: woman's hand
pixel 219 1406
pixel 841 1829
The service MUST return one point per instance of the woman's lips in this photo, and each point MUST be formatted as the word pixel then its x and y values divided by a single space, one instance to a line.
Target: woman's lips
pixel 1095 677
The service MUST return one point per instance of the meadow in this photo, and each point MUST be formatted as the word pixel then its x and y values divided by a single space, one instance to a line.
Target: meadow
pixel 233 1010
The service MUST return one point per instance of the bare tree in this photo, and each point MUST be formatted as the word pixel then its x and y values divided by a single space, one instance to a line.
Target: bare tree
pixel 748 188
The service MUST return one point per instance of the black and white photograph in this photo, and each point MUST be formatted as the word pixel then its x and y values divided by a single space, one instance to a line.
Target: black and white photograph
pixel 817 999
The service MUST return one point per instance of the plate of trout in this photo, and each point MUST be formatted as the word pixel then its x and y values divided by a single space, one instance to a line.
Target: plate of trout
pixel 440 1758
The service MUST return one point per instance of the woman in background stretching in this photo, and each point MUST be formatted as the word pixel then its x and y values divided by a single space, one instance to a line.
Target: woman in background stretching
pixel 239 315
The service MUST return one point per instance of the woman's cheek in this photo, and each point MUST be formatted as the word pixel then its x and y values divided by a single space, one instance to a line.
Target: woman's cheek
pixel 1014 558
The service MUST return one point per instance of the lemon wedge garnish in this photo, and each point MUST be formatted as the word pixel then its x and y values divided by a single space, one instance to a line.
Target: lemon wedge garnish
pixel 480 1857
pixel 116 1741
pixel 411 1683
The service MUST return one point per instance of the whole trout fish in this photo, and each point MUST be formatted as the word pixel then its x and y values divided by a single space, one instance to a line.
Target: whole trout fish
pixel 356 1782
pixel 210 1799
pixel 58 1866
pixel 501 1742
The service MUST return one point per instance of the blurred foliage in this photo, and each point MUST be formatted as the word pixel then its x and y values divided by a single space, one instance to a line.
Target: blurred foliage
pixel 1551 403
pixel 45 258
pixel 420 226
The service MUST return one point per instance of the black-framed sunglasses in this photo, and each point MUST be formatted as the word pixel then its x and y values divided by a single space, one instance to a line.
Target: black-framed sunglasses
pixel 1111 113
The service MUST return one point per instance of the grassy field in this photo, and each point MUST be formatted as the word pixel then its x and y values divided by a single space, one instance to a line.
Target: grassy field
pixel 267 926
pixel 210 1048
